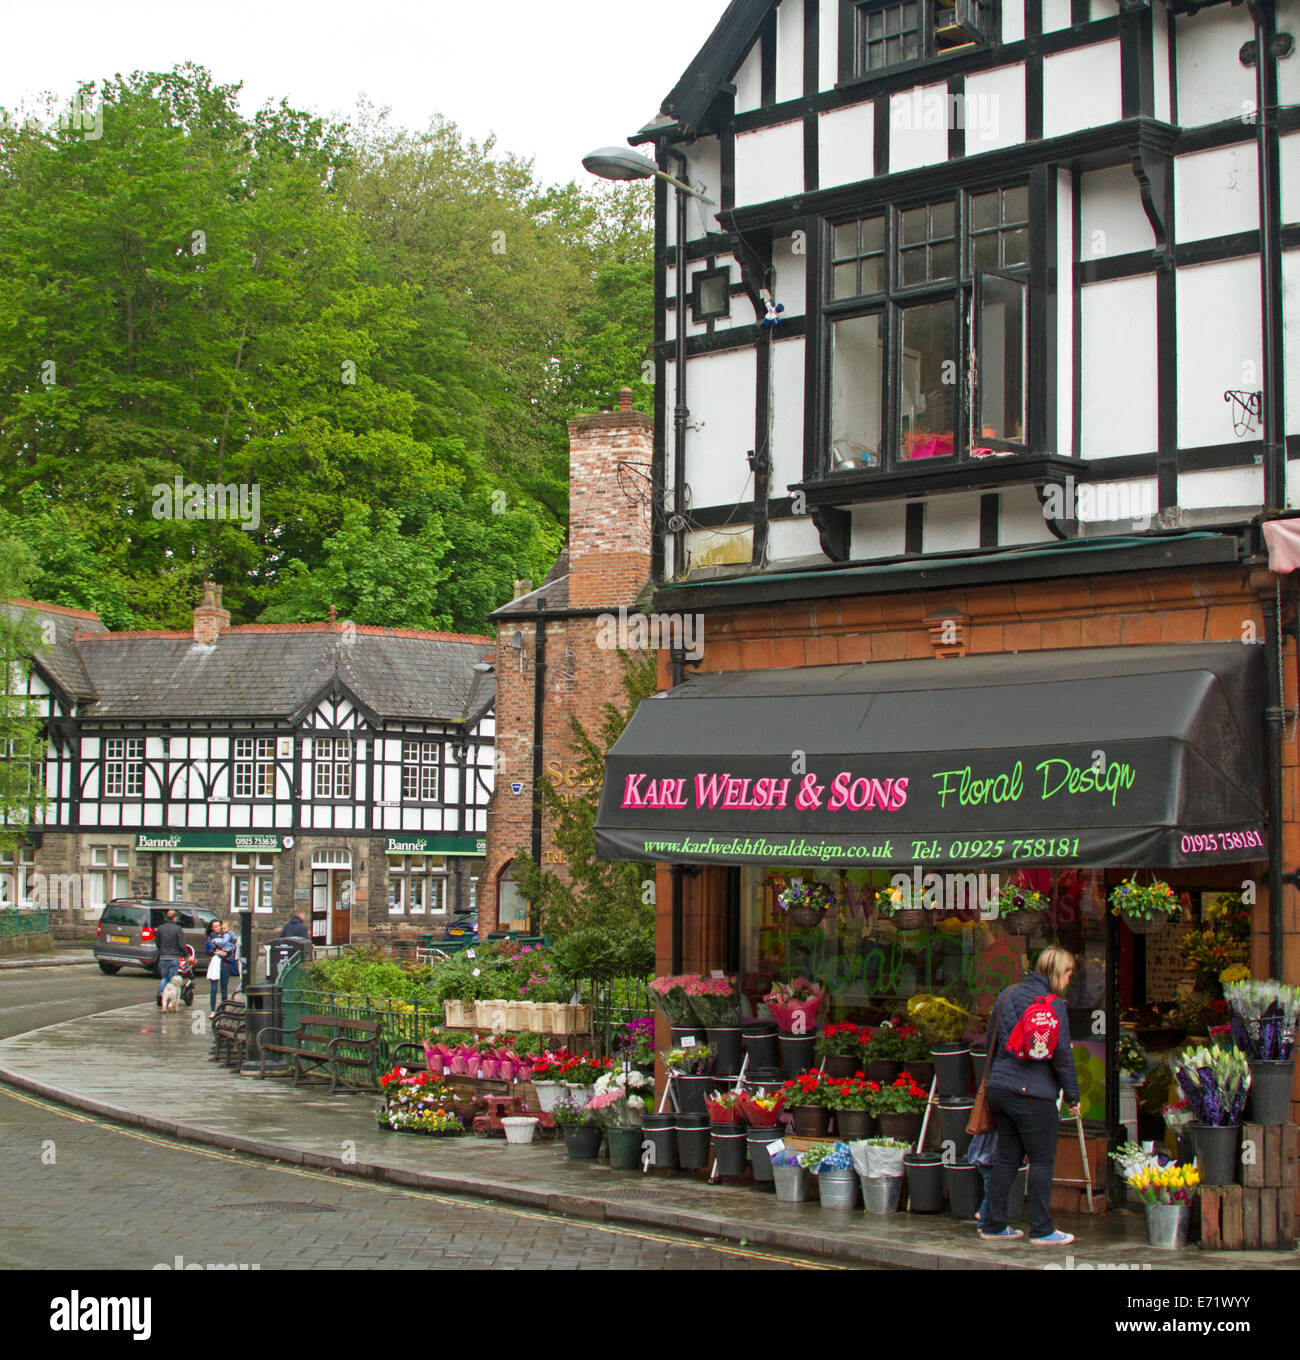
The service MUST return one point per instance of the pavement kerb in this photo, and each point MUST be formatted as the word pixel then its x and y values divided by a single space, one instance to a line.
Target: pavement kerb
pixel 575 1206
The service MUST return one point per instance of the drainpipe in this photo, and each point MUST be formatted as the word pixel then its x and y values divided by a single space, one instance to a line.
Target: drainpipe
pixel 539 698
pixel 681 413
pixel 1273 716
pixel 678 904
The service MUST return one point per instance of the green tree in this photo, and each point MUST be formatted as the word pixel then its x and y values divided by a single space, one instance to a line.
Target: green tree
pixel 22 729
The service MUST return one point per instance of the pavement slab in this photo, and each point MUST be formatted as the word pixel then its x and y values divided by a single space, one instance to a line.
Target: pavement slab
pixel 139 1067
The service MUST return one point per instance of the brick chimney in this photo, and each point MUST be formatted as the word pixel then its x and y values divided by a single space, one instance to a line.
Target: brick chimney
pixel 609 515
pixel 209 617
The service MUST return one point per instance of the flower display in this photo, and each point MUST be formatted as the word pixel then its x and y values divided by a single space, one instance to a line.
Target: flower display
pixel 827 1157
pixel 808 1088
pixel 616 1109
pixel 1220 943
pixel 761 1111
pixel 1172 1184
pixel 635 1041
pixel 904 1096
pixel 1264 1017
pixel 584 1070
pixel 568 1114
pixel 689 1062
pixel 1215 1082
pixel 1019 896
pixel 670 996
pixel 415 1102
pixel 715 1000
pixel 795 1003
pixel 816 896
pixel 844 1040
pixel 1130 1054
pixel 1144 901
pixel 724 1107
pixel 939 1020
pixel 850 1093
pixel 890 901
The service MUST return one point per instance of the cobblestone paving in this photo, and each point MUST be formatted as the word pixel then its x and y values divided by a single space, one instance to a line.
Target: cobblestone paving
pixel 81 1194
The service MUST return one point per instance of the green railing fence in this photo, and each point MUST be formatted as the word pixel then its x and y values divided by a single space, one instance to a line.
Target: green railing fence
pixel 15 921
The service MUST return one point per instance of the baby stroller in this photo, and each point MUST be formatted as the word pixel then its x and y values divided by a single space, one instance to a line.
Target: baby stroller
pixel 185 971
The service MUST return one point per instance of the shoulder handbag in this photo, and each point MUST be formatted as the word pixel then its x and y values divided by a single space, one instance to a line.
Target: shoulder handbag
pixel 982 1118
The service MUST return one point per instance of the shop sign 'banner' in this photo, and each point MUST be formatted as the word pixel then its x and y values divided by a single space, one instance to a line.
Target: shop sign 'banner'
pixel 1189 795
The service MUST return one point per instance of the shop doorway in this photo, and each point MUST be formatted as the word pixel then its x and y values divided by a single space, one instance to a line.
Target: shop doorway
pixel 331 897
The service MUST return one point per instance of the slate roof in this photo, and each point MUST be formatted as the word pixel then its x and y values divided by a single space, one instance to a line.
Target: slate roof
pixel 268 671
pixel 60 660
pixel 553 592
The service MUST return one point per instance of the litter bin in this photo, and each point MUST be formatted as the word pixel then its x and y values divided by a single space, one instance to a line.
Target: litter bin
pixel 263 1002
pixel 280 950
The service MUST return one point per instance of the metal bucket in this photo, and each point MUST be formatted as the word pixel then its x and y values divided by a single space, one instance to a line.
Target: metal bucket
pixel 1167 1225
pixel 880 1194
pixel 838 1188
pixel 791 1184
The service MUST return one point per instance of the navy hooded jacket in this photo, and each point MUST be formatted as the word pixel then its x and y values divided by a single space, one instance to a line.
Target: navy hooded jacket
pixel 1029 1077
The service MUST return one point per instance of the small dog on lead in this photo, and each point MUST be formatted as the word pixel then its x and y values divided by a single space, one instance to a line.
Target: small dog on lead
pixel 171 993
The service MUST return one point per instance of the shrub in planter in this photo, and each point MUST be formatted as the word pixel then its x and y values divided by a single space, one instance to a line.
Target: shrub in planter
pixel 936 1019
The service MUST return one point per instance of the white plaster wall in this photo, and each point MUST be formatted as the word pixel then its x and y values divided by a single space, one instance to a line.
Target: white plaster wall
pixel 1160 90
pixel 1212 83
pixel 1013 21
pixel 1218 346
pixel 1111 219
pixel 788 539
pixel 1056 15
pixel 1289 168
pixel 670 401
pixel 1119 367
pixel 742 313
pixel 748 80
pixel 791 276
pixel 1216 192
pixel 787 414
pixel 878 530
pixel 1120 506
pixel 769 164
pixel 704 172
pixel 1021 518
pixel 918 127
pixel 846 145
pixel 789 49
pixel 720 396
pixel 995 109
pixel 1064 317
pixel 1220 488
pixel 1288 71
pixel 1291 337
pixel 1081 89
pixel 952 523
pixel 829 55
pixel 1103 9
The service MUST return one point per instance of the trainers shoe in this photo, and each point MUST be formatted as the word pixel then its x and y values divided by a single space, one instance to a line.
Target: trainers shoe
pixel 1053 1239
pixel 1006 1235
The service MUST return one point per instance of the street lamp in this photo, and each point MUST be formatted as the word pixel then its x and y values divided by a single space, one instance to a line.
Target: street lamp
pixel 619 163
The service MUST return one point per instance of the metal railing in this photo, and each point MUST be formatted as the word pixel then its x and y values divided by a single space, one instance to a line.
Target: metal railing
pixel 16 921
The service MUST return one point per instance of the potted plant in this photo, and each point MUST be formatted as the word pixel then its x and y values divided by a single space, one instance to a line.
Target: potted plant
pixel 1166 1192
pixel 794 1008
pixel 761 1110
pixel 1020 907
pixel 1144 907
pixel 840 1048
pixel 837 1182
pixel 899 1108
pixel 1215 1082
pixel 901 906
pixel 547 1081
pixel 1263 1026
pixel 882 1055
pixel 580 1075
pixel 727 1124
pixel 582 1133
pixel 692 1072
pixel 914 1055
pixel 942 1023
pixel 805 1098
pixel 716 1001
pixel 849 1098
pixel 805 904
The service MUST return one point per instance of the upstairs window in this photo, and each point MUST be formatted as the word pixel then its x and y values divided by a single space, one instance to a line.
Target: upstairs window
pixel 882 34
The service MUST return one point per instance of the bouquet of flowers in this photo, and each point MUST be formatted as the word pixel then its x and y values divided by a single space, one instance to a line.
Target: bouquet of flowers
pixel 903 1097
pixel 761 1111
pixel 670 996
pixel 827 1157
pixel 1172 1184
pixel 715 1000
pixel 1133 1157
pixel 1215 1082
pixel 1264 1016
pixel 689 1062
pixel 816 896
pixel 724 1107
pixel 616 1110
pixel 567 1114
pixel 1129 1053
pixel 791 1002
pixel 1222 942
pixel 1144 901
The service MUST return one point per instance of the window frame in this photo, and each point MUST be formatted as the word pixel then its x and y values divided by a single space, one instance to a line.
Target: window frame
pixel 892 301
pixel 987 35
pixel 699 315
pixel 416 770
pixel 328 771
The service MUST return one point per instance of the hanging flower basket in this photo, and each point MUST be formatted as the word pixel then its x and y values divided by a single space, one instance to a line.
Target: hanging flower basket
pixel 806 904
pixel 1021 922
pixel 900 905
pixel 805 916
pixel 1021 908
pixel 1142 925
pixel 909 918
pixel 1144 907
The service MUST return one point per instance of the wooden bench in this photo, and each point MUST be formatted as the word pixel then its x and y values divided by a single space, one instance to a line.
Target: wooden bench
pixel 230 1034
pixel 345 1047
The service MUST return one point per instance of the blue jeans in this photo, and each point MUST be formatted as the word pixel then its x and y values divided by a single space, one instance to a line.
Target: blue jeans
pixel 1028 1126
pixel 168 968
pixel 226 970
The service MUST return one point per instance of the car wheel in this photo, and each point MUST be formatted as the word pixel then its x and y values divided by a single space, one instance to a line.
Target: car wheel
pixel 109 968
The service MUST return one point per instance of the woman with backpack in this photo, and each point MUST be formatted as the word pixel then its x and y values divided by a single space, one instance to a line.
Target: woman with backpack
pixel 1033 1062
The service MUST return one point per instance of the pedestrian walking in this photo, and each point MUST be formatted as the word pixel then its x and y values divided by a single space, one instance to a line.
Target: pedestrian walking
pixel 1033 1063
pixel 295 928
pixel 171 945
pixel 223 952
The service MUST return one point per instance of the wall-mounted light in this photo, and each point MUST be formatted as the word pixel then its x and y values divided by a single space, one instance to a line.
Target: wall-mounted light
pixel 517 642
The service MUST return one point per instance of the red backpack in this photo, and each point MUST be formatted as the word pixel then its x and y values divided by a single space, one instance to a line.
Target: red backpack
pixel 1036 1032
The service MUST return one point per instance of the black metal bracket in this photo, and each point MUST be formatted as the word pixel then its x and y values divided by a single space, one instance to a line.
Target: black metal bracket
pixel 1281 47
pixel 1247 411
pixel 680 657
pixel 1292 878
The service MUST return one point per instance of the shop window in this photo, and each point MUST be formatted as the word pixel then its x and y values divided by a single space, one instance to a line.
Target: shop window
pixel 416 884
pixel 252 883
pixel 177 887
pixel 121 885
pixel 99 855
pixel 512 908
pixel 882 34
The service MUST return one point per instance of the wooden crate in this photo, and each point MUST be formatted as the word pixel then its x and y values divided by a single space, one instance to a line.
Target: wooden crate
pixel 1247 1218
pixel 1270 1154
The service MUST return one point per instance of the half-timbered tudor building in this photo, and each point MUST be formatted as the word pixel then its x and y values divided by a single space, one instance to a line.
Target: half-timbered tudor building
pixel 973 339
pixel 339 769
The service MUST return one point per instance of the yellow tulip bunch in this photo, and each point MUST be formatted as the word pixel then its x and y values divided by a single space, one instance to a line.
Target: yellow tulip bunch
pixel 1171 1184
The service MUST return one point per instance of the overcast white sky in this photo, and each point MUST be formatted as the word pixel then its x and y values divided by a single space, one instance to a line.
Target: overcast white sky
pixel 553 81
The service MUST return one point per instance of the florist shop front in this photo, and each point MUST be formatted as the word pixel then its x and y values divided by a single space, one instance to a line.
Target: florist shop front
pixel 900 829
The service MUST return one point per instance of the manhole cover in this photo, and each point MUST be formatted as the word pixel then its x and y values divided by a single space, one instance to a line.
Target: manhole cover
pixel 281 1206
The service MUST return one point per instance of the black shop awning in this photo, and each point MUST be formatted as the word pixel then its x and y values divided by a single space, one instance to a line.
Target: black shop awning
pixel 1123 756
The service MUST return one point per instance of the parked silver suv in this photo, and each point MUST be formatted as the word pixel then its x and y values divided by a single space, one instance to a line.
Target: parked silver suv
pixel 126 934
